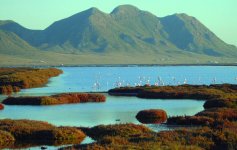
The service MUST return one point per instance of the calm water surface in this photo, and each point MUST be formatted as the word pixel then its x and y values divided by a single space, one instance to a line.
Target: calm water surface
pixel 76 79
pixel 91 114
pixel 84 79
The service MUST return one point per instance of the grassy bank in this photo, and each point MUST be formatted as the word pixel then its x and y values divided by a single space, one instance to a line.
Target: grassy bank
pixel 14 79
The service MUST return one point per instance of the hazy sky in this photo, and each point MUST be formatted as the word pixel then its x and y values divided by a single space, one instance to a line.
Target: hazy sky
pixel 218 15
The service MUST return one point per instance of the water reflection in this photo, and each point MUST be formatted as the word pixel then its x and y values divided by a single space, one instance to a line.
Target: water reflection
pixel 116 109
pixel 123 109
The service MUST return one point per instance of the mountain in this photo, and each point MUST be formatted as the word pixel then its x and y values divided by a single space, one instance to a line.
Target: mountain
pixel 14 50
pixel 127 30
pixel 187 33
pixel 31 36
pixel 95 31
pixel 12 44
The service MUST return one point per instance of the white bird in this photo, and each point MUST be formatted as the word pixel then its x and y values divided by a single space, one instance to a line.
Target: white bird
pixel 185 81
pixel 96 85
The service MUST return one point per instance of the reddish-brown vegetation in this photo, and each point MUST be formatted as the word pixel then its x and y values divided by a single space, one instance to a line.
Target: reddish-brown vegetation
pixel 129 136
pixel 66 98
pixel 8 89
pixel 209 117
pixel 6 139
pixel 1 106
pixel 221 98
pixel 229 103
pixel 123 130
pixel 14 79
pixel 41 132
pixel 206 138
pixel 220 113
pixel 190 120
pixel 80 97
pixel 151 116
pixel 202 92
pixel 219 117
pixel 196 137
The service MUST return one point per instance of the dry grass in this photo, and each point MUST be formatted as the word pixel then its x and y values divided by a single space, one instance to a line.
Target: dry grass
pixel 66 98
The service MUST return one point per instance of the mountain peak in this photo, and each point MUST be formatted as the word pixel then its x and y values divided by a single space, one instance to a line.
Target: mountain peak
pixel 123 9
pixel 93 10
pixel 88 12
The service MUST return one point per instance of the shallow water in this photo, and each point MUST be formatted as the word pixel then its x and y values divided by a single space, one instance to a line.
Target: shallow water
pixel 82 79
pixel 124 109
pixel 91 114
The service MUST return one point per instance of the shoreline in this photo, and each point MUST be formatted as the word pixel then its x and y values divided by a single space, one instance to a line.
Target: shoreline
pixel 214 120
pixel 15 79
pixel 117 65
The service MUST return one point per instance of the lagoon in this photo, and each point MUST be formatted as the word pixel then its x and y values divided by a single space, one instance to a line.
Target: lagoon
pixel 91 114
pixel 124 109
pixel 117 109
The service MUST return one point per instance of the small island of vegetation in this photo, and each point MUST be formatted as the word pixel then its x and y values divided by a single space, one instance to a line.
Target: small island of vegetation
pixel 13 132
pixel 14 79
pixel 214 128
pixel 197 92
pixel 65 98
pixel 152 116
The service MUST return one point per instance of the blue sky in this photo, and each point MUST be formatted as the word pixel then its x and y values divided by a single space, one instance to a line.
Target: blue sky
pixel 220 16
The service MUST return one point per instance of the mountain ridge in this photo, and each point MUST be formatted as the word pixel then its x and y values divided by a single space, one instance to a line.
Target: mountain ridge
pixel 126 30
